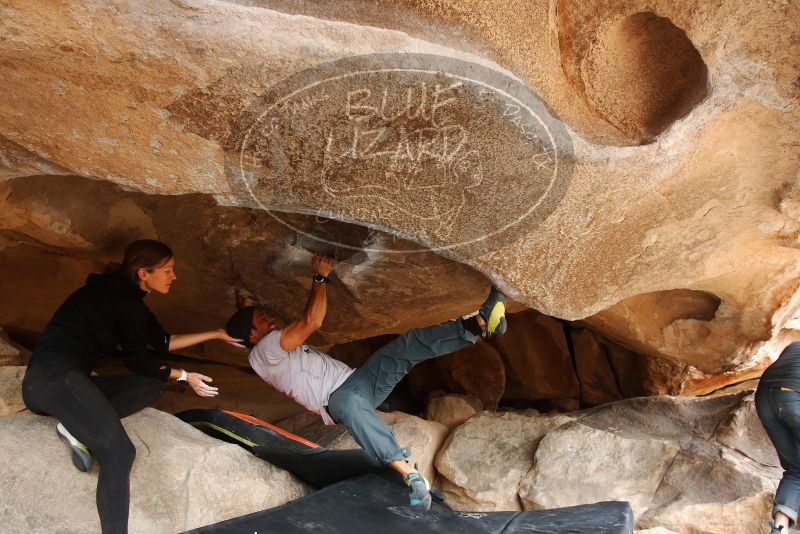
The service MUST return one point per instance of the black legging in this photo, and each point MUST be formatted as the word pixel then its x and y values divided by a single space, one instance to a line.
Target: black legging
pixel 91 407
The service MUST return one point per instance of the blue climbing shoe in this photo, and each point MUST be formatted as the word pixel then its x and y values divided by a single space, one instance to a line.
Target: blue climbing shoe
pixel 419 492
pixel 81 458
pixel 493 313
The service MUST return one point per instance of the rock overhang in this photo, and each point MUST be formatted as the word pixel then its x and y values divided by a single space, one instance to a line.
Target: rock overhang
pixel 671 216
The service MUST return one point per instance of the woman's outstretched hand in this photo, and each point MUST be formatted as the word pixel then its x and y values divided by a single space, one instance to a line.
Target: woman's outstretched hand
pixel 222 335
pixel 198 383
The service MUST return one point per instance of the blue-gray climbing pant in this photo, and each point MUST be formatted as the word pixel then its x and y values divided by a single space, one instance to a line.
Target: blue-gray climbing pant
pixel 353 403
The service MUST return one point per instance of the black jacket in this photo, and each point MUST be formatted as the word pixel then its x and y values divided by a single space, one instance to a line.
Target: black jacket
pixel 785 371
pixel 105 313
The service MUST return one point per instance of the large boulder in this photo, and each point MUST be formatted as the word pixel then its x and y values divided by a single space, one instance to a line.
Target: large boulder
pixel 708 487
pixel 11 389
pixel 452 410
pixel 674 235
pixel 723 482
pixel 577 464
pixel 712 491
pixel 181 479
pixel 684 464
pixel 483 460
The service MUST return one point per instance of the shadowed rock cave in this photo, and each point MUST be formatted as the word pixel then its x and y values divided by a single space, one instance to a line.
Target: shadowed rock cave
pixel 55 236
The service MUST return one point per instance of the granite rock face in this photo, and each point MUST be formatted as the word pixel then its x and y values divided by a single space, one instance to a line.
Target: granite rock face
pixel 181 479
pixel 669 227
pixel 452 410
pixel 682 120
pixel 476 370
pixel 683 463
pixel 537 358
pixel 599 384
pixel 10 352
pixel 635 465
pixel 743 432
pixel 490 479
pixel 11 389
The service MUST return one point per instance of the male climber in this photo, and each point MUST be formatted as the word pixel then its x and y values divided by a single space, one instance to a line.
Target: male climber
pixel 349 396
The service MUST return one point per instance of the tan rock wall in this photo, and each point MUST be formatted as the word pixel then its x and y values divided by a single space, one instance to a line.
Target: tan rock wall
pixel 145 98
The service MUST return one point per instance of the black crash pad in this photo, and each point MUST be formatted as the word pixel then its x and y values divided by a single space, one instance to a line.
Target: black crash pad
pixel 308 461
pixel 360 495
pixel 375 503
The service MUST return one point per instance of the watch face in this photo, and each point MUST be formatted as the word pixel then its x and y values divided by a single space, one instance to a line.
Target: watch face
pixel 319 278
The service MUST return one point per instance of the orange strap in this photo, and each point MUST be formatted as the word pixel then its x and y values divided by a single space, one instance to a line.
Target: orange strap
pixel 282 432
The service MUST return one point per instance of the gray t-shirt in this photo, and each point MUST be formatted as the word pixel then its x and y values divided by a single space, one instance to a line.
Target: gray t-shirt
pixel 306 375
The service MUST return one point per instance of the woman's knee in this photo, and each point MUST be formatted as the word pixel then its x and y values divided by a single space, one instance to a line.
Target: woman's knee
pixel 118 450
pixel 125 452
pixel 124 455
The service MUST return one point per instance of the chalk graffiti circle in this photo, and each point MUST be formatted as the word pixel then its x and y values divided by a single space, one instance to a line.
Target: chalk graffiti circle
pixel 443 152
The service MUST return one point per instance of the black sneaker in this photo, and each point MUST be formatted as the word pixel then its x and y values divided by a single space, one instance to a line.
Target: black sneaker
pixel 81 458
pixel 419 492
pixel 493 312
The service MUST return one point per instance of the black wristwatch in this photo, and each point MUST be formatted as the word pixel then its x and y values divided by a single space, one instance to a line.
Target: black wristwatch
pixel 321 278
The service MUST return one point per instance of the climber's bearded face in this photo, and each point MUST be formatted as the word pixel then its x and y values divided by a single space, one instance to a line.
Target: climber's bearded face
pixel 263 324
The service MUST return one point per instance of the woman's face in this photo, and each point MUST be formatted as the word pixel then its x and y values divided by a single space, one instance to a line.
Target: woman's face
pixel 159 279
